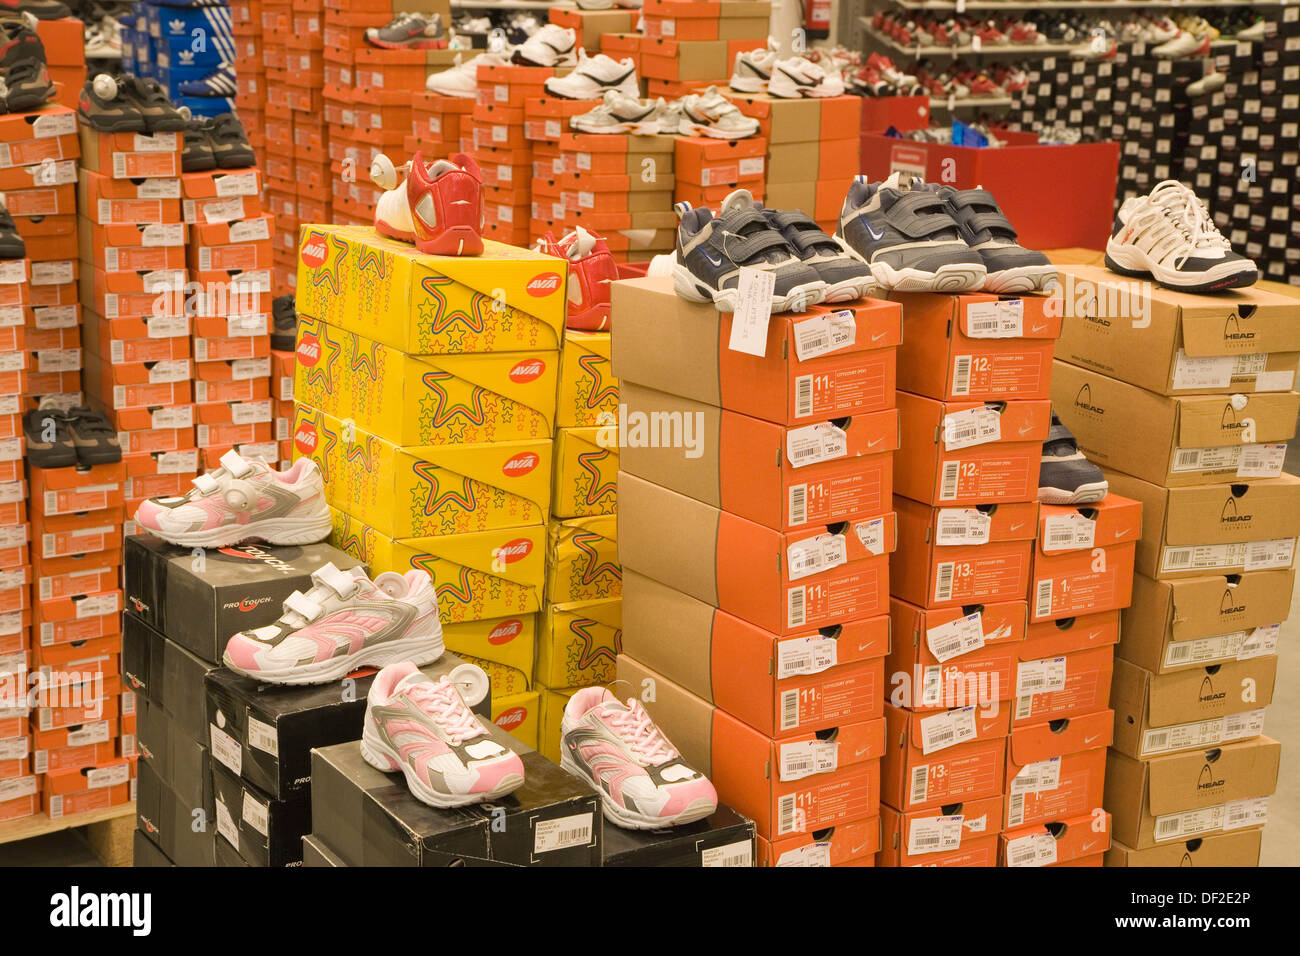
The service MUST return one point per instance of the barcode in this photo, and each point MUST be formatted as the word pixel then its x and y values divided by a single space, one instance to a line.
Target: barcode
pixel 1043 598
pixel 1157 741
pixel 1021 855
pixel 961 376
pixel 1187 459
pixel 1016 810
pixel 785 814
pixel 948 490
pixel 1058 538
pixel 978 326
pixel 1024 707
pixel 739 857
pixel 1179 652
pixel 574 835
pixel 1178 558
pixel 1033 682
pixel 920 783
pixel 797 764
pixel 805 451
pixel 798 504
pixel 789 709
pixel 926 840
pixel 943 589
pixel 796 615
pixel 803 396
pixel 1169 826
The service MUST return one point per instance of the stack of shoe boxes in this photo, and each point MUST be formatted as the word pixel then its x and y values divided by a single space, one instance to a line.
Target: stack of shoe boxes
pixel 426 391
pixel 1187 402
pixel 436 124
pixel 687 45
pixel 707 169
pixel 188 44
pixel 137 44
pixel 276 25
pixel 546 120
pixel 500 140
pixel 591 26
pixel 755 523
pixel 250 72
pixel 65 56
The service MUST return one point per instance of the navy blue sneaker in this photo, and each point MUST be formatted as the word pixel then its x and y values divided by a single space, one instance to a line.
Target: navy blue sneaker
pixel 908 237
pixel 847 278
pixel 220 82
pixel 1065 476
pixel 1011 267
pixel 711 250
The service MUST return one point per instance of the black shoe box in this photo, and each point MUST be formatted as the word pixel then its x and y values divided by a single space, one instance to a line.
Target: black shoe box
pixel 227 855
pixel 184 832
pixel 182 764
pixel 316 854
pixel 145 853
pixel 199 598
pixel 724 839
pixel 266 832
pixel 166 674
pixel 265 732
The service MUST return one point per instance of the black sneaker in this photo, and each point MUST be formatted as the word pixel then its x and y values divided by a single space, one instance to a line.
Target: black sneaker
pixel 229 144
pixel 48 439
pixel 104 106
pixel 1065 476
pixel 148 96
pixel 284 333
pixel 24 80
pixel 40 9
pixel 93 436
pixel 847 278
pixel 197 156
pixel 1011 268
pixel 11 244
pixel 711 250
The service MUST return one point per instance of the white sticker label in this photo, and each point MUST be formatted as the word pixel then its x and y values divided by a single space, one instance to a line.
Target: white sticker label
pixel 1070 532
pixel 974 426
pixel 98 605
pixel 807 757
pixel 948 729
pixel 237 184
pixel 163 234
pixel 1004 319
pixel 934 835
pixel 814 854
pixel 262 736
pixel 229 210
pixel 955 638
pixel 256 814
pixel 250 230
pixel 753 311
pixel 1038 776
pixel 560 834
pixel 822 334
pixel 96 733
pixel 107 776
pixel 1040 677
pixel 957 526
pixel 1261 461
pixel 871 535
pixel 1209 372
pixel 733 854
pixel 226 749
pixel 1275 381
pixel 167 326
pixel 1036 849
pixel 815 443
pixel 815 555
pixel 1203 733
pixel 797 656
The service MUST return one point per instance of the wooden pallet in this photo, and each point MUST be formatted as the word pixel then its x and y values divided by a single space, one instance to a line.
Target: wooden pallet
pixel 107 831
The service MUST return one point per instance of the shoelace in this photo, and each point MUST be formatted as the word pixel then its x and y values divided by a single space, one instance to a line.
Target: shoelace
pixel 641 733
pixel 1187 211
pixel 442 697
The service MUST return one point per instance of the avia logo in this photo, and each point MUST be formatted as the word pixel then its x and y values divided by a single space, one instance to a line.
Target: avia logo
pixel 313 252
pixel 1228 419
pixel 506 631
pixel 520 464
pixel 527 371
pixel 512 718
pixel 139 605
pixel 540 286
pixel 1083 399
pixel 1206 779
pixel 1228 514
pixel 309 350
pixel 305 438
pixel 1208 695
pixel 1226 606
pixel 515 550
pixel 1232 330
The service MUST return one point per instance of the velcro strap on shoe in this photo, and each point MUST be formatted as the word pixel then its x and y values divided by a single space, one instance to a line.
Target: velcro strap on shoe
pixel 206 484
pixel 794 219
pixel 340 582
pixel 919 215
pixel 301 604
pixel 738 222
pixel 1059 434
pixel 966 198
pixel 752 246
pixel 992 222
pixel 234 463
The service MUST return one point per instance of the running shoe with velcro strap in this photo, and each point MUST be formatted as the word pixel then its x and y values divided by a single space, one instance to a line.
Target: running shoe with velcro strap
pixel 1065 476
pixel 240 500
pixel 711 250
pixel 345 621
pixel 847 278
pixel 1011 268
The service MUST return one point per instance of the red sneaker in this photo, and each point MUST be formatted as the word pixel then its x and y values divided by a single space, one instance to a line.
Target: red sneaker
pixel 591 270
pixel 446 205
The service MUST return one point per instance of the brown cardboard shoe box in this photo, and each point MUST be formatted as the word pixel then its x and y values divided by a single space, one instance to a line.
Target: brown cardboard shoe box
pixel 1214 529
pixel 1239 848
pixel 1195 622
pixel 1205 707
pixel 1187 440
pixel 1198 793
pixel 1246 340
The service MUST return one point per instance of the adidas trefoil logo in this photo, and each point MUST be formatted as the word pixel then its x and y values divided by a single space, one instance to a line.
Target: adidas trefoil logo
pixel 185 56
pixel 176 26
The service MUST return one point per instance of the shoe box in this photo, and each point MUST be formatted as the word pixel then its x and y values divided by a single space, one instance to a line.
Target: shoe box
pixel 551 703
pixel 262 830
pixel 1175 441
pixel 1083 558
pixel 852 844
pixel 577 643
pixel 436 123
pixel 71 792
pixel 582 560
pixel 585 472
pixel 695 62
pixel 1076 841
pixel 1238 848
pixel 316 854
pixel 963 833
pixel 145 853
pixel 707 169
pixel 588 388
pixel 590 26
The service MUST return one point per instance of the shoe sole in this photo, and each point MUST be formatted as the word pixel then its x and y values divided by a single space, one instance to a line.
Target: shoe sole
pixel 278 532
pixel 849 290
pixel 1134 263
pixel 636 129
pixel 1023 279
pixel 747 85
pixel 1089 493
pixel 698 129
pixel 380 756
pixel 691 287
pixel 630 819
pixel 102 123
pixel 956 277
pixel 409 45
pixel 420 649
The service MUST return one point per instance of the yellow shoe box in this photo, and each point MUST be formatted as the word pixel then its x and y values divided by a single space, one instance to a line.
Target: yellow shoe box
pixel 479 575
pixel 429 400
pixel 518 715
pixel 551 702
pixel 588 388
pixel 505 681
pixel 508 644
pixel 506 300
pixel 427 490
pixel 586 473
pixel 582 560
pixel 578 644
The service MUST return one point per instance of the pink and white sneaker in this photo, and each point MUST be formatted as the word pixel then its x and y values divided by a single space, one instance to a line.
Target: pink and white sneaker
pixel 424 728
pixel 643 781
pixel 344 622
pixel 240 500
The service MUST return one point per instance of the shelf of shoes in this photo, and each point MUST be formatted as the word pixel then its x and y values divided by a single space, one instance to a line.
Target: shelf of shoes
pixel 961 6
pixel 1215 565
pixel 984 49
pixel 179 46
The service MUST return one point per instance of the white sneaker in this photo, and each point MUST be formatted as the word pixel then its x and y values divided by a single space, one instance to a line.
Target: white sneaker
pixel 798 77
pixel 753 68
pixel 712 114
pixel 461 80
pixel 1185 44
pixel 1207 84
pixel 1256 31
pixel 594 76
pixel 670 117
pixel 609 4
pixel 619 114
pixel 549 46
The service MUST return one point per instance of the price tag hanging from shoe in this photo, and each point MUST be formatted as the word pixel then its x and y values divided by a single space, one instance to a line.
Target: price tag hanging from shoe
pixel 753 312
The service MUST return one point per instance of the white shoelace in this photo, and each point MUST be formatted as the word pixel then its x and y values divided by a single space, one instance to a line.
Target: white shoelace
pixel 442 697
pixel 641 733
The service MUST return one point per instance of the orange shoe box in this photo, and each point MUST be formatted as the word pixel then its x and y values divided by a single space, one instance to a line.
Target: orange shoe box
pixel 89 574
pixel 232 246
pixel 42 201
pixel 704 161
pixel 31 138
pixel 141 350
pixel 977 346
pixel 606 155
pixel 152 440
pixel 924 768
pixel 77 619
pixel 232 326
pixel 73 802
pixel 1056 769
pixel 24 805
pixel 209 436
pixel 136 395
pixel 935 466
pixel 1065 668
pixel 228 370
pixel 131 155
pixel 162 484
pixel 1078 841
pixel 846 844
pixel 59 536
pixel 234 413
pixel 245 389
pixel 74 758
pixel 221 195
pixel 1083 560
pixel 126 247
pixel 779 686
pixel 106 200
pixel 227 348
pixel 964 833
pixel 48 237
pixel 141 419
pixel 785 583
pixel 47 295
pixel 56 339
pixel 210 458
pixel 233 291
pixel 127 294
pixel 712 196
pixel 51 718
pixel 67 490
pixel 137 373
pixel 954 556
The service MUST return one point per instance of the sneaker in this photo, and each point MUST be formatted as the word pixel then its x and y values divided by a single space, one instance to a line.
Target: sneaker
pixel 1065 477
pixel 798 77
pixel 48 439
pixel 40 9
pixel 11 244
pixel 618 113
pixel 712 114
pixel 424 728
pixel 1169 236
pixel 593 77
pixel 712 249
pixel 1183 45
pixel 103 40
pixel 148 96
pixel 644 783
pixel 906 234
pixel 93 436
pixel 1257 30
pixel 196 153
pixel 461 80
pixel 220 82
pixel 522 25
pixel 847 278
pixel 550 46
pixel 344 622
pixel 1209 83
pixel 104 107
pixel 1010 268
pixel 24 78
pixel 230 147
pixel 284 317
pixel 753 68
pixel 240 500
pixel 410 31
pixel 438 207
pixel 591 270
pixel 669 117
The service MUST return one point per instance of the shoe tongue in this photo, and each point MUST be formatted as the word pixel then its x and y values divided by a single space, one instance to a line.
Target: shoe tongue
pixel 580 245
pixel 900 182
pixel 441 168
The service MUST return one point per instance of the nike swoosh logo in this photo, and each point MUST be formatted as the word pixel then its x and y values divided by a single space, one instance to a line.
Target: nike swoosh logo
pixel 1026 429
pixel 878 336
pixel 861 751
pixel 857 849
pixel 1017 527
pixel 1086 847
pixel 876 234
pixel 716 262
pixel 873 444
pixel 1088 740
pixel 863 647
pixel 1126 531
pixel 1037 328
